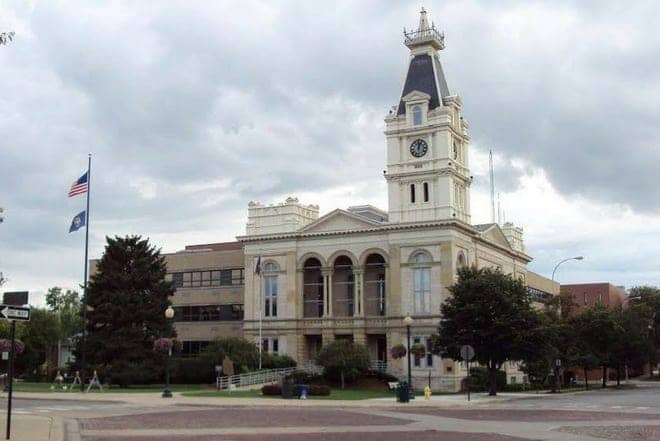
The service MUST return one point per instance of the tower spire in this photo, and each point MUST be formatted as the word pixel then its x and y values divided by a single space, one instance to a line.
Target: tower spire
pixel 423 21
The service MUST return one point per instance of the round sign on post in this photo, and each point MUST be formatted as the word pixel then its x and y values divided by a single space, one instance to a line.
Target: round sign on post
pixel 467 352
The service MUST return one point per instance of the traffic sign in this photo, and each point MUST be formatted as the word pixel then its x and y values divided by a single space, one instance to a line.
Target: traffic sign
pixel 16 298
pixel 467 352
pixel 21 313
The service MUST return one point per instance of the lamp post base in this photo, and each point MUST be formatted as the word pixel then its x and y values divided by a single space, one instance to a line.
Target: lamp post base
pixel 167 393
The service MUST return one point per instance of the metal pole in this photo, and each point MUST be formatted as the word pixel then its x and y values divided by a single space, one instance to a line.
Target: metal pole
pixel 467 382
pixel 84 299
pixel 10 373
pixel 409 363
pixel 261 314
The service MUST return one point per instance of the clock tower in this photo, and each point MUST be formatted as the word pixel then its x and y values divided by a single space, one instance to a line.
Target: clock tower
pixel 427 172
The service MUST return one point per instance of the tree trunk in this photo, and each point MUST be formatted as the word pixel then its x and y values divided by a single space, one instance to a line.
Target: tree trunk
pixel 341 375
pixel 618 375
pixel 492 379
pixel 604 376
pixel 586 379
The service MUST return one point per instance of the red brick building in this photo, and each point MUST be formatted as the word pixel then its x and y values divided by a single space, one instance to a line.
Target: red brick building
pixel 588 295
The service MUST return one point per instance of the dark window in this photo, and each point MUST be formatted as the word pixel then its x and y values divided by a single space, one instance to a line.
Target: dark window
pixel 275 345
pixel 426 191
pixel 193 348
pixel 198 279
pixel 225 277
pixel 177 280
pixel 412 193
pixel 204 313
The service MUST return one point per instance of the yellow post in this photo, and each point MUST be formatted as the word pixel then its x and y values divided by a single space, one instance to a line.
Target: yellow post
pixel 427 393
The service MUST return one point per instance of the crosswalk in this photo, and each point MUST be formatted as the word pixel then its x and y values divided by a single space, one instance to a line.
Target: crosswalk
pixel 65 408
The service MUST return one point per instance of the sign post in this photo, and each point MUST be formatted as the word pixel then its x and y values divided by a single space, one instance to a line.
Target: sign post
pixel 12 312
pixel 467 354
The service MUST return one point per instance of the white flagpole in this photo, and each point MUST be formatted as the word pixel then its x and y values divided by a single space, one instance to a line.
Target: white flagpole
pixel 261 307
pixel 84 299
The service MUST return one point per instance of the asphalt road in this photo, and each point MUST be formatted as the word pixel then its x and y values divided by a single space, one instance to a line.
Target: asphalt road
pixel 645 398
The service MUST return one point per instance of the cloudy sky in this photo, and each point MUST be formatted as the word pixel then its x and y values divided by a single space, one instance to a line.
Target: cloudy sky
pixel 192 109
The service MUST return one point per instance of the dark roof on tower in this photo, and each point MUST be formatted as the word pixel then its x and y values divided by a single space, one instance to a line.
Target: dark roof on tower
pixel 423 77
pixel 425 71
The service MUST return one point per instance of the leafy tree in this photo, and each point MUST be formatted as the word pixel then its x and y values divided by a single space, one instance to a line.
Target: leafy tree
pixel 490 311
pixel 634 343
pixel 243 353
pixel 649 297
pixel 67 306
pixel 344 360
pixel 127 298
pixel 40 336
pixel 598 334
pixel 6 37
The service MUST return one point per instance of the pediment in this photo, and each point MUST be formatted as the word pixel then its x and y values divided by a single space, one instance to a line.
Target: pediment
pixel 494 234
pixel 339 220
pixel 416 95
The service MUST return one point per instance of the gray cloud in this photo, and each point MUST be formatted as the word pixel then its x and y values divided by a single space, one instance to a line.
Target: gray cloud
pixel 267 99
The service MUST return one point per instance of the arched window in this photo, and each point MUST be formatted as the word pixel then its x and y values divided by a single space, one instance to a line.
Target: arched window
pixel 374 285
pixel 412 193
pixel 342 287
pixel 426 191
pixel 421 273
pixel 461 261
pixel 312 288
pixel 270 289
pixel 417 115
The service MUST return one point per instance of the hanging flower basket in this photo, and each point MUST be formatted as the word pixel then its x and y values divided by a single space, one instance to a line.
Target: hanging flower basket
pixel 418 350
pixel 398 351
pixel 5 346
pixel 163 345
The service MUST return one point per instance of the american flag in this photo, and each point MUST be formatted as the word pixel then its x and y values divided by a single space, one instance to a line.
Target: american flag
pixel 79 186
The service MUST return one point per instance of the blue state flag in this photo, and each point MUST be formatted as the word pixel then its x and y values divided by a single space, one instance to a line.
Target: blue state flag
pixel 77 222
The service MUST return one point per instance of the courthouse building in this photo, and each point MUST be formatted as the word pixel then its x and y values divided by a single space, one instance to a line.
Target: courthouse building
pixel 356 273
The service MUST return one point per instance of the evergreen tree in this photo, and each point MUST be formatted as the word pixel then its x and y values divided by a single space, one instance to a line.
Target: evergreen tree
pixel 490 311
pixel 127 296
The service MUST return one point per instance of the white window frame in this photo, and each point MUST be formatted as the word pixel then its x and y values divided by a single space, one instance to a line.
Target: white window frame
pixel 421 275
pixel 426 361
pixel 270 345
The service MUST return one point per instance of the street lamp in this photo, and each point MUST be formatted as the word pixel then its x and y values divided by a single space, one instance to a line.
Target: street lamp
pixel 167 393
pixel 562 261
pixel 409 321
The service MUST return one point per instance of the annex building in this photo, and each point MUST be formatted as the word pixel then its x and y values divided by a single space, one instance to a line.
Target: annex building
pixel 356 273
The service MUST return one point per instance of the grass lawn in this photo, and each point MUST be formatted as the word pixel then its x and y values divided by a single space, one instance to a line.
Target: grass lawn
pixel 336 394
pixel 22 386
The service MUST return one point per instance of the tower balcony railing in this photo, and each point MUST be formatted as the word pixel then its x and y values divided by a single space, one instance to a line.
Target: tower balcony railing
pixel 423 36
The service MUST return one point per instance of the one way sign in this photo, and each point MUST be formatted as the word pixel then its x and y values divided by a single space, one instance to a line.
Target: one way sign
pixel 21 313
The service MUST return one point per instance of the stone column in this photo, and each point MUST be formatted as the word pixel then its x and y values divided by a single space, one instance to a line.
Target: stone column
pixel 327 291
pixel 358 292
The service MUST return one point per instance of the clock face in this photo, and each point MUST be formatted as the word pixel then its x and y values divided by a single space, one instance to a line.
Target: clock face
pixel 418 148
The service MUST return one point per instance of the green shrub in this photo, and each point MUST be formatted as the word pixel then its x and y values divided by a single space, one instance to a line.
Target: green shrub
pixel 320 390
pixel 192 371
pixel 273 361
pixel 383 376
pixel 271 389
pixel 479 381
pixel 300 377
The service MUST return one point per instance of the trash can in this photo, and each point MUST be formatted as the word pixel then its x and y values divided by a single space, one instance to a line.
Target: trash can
pixel 402 393
pixel 303 391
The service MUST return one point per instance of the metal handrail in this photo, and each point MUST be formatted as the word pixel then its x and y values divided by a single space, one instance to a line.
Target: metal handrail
pixel 262 377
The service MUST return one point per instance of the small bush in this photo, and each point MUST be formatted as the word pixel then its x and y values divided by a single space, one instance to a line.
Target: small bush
pixel 320 390
pixel 478 379
pixel 193 371
pixel 271 361
pixel 383 376
pixel 271 390
pixel 299 377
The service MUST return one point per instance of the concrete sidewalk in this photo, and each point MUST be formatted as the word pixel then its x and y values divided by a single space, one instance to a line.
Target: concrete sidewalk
pixel 34 428
pixel 155 400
